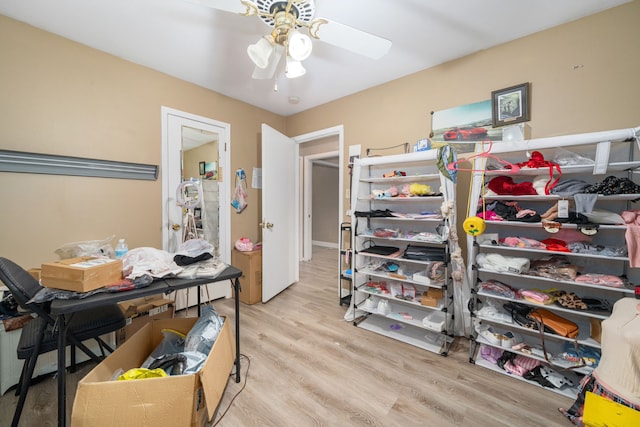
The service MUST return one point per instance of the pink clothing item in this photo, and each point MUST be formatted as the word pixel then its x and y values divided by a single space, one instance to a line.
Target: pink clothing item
pixel 601 279
pixel 525 212
pixel 522 242
pixel 536 297
pixel 521 365
pixel 489 216
pixel 632 235
pixel 571 235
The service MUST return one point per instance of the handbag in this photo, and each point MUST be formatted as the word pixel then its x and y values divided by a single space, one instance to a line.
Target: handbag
pixel 553 323
pixel 520 314
pixel 424 253
pixel 380 250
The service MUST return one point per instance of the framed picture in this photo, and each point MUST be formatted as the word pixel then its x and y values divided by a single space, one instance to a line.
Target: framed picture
pixel 201 167
pixel 462 126
pixel 510 105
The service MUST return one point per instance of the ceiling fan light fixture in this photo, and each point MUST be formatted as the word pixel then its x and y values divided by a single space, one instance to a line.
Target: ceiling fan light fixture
pixel 300 45
pixel 261 51
pixel 294 68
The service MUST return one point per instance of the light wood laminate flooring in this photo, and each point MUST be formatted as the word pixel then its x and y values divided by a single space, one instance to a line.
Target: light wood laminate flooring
pixel 307 366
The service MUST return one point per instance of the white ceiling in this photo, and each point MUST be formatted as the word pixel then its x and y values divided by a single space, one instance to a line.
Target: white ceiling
pixel 208 47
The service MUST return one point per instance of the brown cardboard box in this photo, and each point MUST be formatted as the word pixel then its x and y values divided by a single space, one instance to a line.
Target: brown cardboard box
pixel 436 293
pixel 81 274
pixel 141 311
pixel 180 400
pixel 35 273
pixel 251 281
pixel 134 307
pixel 428 300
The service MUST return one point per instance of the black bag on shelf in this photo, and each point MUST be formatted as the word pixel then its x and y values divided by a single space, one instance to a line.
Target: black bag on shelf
pixel 520 314
pixel 381 250
pixel 424 253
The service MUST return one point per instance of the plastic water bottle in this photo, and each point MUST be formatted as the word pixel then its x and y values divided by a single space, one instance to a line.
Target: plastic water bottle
pixel 121 249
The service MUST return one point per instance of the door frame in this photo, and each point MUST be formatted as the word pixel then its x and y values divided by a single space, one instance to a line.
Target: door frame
pixel 307 220
pixel 305 237
pixel 224 151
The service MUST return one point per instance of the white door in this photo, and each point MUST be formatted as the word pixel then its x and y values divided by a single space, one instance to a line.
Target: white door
pixel 174 125
pixel 279 212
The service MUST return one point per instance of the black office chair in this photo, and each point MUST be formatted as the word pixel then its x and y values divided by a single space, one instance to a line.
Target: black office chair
pixel 40 335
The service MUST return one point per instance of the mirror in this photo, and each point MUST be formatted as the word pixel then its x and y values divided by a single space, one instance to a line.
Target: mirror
pixel 200 162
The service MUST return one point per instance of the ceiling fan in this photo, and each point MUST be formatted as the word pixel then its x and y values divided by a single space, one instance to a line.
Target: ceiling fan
pixel 287 17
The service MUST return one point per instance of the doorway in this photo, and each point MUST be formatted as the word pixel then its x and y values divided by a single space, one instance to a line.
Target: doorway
pixel 282 247
pixel 330 143
pixel 320 197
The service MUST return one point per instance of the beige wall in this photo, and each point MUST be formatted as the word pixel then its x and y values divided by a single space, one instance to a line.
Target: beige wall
pixel 60 97
pixel 584 78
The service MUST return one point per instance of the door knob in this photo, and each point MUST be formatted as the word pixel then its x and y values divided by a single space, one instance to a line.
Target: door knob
pixel 267 225
pixel 175 227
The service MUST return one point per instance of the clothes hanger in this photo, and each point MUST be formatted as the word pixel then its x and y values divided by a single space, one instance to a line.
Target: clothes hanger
pixel 509 167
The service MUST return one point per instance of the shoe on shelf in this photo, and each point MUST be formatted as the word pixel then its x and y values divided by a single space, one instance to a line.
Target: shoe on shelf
pixel 371 304
pixel 491 336
pixel 509 339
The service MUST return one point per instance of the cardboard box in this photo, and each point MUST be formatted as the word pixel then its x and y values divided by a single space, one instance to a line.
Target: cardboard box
pixel 141 311
pixel 180 400
pixel 436 293
pixel 81 274
pixel 138 306
pixel 428 300
pixel 35 273
pixel 251 280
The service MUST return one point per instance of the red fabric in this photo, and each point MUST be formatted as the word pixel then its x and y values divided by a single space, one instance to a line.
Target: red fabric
pixel 504 186
pixel 537 161
pixel 556 245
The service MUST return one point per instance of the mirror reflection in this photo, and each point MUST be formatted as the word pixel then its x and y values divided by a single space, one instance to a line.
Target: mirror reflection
pixel 200 164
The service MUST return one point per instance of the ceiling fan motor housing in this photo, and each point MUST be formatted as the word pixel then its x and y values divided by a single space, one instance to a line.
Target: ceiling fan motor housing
pixel 301 10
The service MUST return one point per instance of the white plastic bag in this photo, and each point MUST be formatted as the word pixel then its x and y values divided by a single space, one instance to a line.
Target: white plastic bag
pixel 239 201
pixel 88 248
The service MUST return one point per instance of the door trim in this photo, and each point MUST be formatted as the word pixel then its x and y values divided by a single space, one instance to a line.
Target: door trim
pixel 223 173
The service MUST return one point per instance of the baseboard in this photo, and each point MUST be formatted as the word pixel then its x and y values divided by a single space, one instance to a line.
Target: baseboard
pixel 325 244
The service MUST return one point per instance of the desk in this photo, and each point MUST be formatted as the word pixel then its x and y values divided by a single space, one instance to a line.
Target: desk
pixel 62 308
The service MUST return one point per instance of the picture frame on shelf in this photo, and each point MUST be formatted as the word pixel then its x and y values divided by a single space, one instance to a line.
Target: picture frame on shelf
pixel 510 105
pixel 201 168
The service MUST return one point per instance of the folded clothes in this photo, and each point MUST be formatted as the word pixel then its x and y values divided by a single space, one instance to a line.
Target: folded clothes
pixel 503 264
pixel 601 279
pixel 556 267
pixel 614 185
pixel 569 187
pixel 496 287
pixel 588 248
pixel 536 297
pixel 522 242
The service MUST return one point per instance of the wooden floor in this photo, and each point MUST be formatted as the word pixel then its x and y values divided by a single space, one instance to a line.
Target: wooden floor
pixel 308 367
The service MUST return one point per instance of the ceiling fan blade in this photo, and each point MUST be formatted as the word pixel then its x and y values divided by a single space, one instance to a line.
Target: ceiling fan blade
pixel 233 6
pixel 270 70
pixel 352 39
